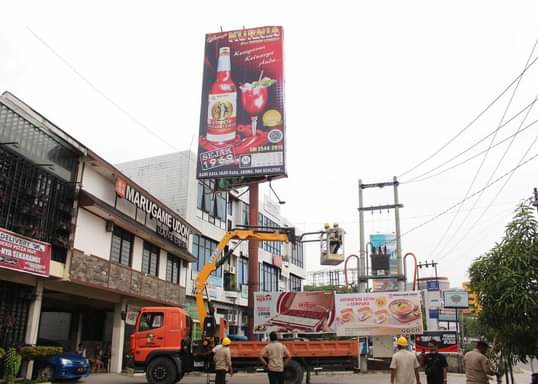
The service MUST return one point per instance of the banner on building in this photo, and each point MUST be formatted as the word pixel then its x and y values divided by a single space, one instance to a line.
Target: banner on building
pixel 24 254
pixel 302 312
pixel 242 130
pixel 447 341
pixel 378 314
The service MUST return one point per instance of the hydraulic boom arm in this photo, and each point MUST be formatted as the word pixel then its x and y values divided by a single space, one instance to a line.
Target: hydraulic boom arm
pixel 221 255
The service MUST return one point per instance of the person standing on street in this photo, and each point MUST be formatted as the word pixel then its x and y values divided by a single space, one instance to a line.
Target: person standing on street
pixel 477 366
pixel 275 357
pixel 435 365
pixel 404 365
pixel 223 361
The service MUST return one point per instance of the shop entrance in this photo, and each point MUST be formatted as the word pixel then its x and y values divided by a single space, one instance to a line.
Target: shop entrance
pixel 69 321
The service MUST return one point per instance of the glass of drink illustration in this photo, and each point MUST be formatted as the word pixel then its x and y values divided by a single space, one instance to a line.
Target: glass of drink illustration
pixel 254 99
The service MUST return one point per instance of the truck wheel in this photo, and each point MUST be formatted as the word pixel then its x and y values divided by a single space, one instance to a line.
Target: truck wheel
pixel 293 373
pixel 161 370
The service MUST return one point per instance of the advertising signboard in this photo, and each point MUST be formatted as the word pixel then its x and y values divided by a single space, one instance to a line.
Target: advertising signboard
pixel 455 298
pixel 385 242
pixel 448 341
pixel 385 285
pixel 293 312
pixel 242 130
pixel 378 314
pixel 447 315
pixel 24 254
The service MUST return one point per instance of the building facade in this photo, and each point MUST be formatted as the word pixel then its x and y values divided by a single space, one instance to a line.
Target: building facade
pixel 82 246
pixel 172 178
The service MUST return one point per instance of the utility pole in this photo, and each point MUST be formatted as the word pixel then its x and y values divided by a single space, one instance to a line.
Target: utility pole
pixel 362 252
pixel 253 278
pixel 402 283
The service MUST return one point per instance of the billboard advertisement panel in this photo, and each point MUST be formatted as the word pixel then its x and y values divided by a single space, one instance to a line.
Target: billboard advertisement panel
pixel 448 341
pixel 385 242
pixel 24 254
pixel 242 130
pixel 293 312
pixel 455 298
pixel 378 314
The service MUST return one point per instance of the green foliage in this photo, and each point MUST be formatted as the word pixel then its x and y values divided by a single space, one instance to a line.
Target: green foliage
pixel 2 353
pixel 32 353
pixel 505 280
pixel 12 364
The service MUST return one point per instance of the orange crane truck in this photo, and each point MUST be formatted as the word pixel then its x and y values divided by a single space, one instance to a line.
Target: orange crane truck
pixel 162 342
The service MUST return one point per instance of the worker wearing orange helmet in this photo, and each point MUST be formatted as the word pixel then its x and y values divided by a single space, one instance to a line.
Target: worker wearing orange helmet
pixel 223 361
pixel 404 365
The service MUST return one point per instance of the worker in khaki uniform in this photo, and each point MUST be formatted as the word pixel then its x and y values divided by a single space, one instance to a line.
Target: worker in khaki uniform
pixel 223 361
pixel 476 364
pixel 275 357
pixel 404 365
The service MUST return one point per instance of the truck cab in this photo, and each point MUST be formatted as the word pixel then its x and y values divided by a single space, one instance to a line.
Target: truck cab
pixel 161 344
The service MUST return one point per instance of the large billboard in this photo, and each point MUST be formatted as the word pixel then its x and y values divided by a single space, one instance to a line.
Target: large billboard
pixel 242 130
pixel 378 314
pixel 24 254
pixel 353 314
pixel 302 312
pixel 447 341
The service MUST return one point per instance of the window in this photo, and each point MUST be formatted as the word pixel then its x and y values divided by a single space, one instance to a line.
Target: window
pixel 295 283
pixel 273 247
pixel 122 246
pixel 150 259
pixel 211 202
pixel 243 271
pixel 244 213
pixel 269 277
pixel 230 206
pixel 173 267
pixel 203 248
pixel 150 320
pixel 297 255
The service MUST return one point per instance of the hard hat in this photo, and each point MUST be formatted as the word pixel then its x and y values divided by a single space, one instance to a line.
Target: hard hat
pixel 402 342
pixel 335 225
pixel 226 341
pixel 326 225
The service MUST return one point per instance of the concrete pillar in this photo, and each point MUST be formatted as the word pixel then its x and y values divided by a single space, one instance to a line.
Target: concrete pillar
pixel 32 328
pixel 118 335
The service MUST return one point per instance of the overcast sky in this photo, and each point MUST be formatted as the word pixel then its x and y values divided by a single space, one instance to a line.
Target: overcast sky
pixel 372 88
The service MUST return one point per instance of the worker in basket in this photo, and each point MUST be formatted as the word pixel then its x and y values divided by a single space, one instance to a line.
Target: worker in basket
pixel 223 361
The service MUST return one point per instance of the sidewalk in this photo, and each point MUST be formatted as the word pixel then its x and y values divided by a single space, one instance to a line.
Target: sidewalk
pixel 324 378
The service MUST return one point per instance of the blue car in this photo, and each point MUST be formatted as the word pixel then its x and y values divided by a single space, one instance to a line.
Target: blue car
pixel 62 366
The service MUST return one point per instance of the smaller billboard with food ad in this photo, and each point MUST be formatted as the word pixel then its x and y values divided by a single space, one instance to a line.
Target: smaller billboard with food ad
pixel 378 314
pixel 305 312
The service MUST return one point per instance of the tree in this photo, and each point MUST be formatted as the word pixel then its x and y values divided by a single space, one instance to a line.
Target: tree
pixel 505 280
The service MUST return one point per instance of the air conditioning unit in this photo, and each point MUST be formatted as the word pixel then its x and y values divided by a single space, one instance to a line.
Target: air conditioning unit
pixel 231 317
pixel 232 269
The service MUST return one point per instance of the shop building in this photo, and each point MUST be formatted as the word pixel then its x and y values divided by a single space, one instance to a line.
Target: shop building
pixel 172 178
pixel 97 245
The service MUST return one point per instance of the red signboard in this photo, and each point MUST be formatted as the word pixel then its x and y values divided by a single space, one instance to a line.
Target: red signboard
pixel 242 116
pixel 447 341
pixel 24 254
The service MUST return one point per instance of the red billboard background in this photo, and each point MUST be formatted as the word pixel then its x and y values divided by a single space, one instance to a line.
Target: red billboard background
pixel 447 341
pixel 242 130
pixel 24 254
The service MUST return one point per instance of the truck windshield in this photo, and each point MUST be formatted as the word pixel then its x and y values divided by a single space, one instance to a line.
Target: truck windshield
pixel 150 320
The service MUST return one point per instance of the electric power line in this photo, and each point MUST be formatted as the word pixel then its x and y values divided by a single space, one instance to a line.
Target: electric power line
pixel 470 123
pixel 101 93
pixel 483 161
pixel 478 154
pixel 444 212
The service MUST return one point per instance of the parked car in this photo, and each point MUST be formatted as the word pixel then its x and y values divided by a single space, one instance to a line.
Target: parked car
pixel 62 366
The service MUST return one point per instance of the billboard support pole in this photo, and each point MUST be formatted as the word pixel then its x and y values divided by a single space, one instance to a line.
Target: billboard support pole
pixel 362 252
pixel 253 281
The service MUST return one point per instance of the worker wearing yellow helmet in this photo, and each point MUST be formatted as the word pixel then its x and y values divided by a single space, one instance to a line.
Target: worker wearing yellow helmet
pixel 404 365
pixel 223 360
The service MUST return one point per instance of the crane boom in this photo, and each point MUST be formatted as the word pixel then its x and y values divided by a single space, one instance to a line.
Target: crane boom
pixel 221 255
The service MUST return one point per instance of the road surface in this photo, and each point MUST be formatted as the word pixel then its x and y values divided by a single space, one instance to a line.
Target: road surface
pixel 326 378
